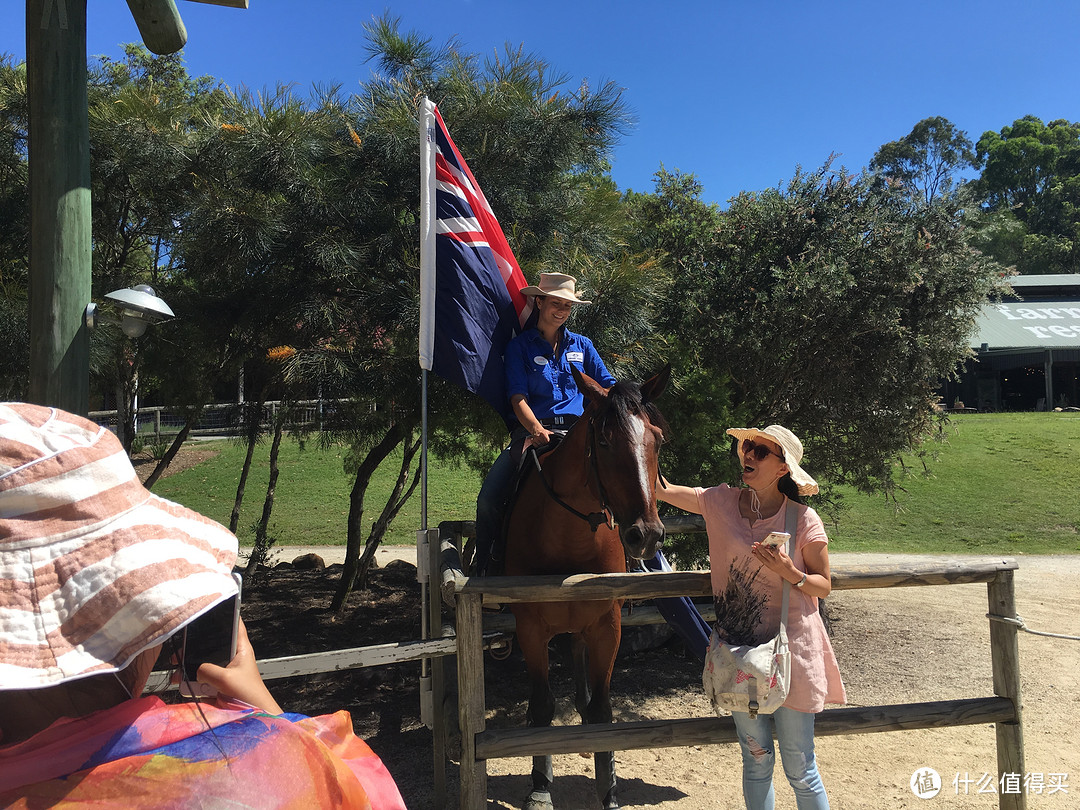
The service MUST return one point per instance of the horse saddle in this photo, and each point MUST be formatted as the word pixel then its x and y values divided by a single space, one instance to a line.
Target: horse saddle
pixel 529 461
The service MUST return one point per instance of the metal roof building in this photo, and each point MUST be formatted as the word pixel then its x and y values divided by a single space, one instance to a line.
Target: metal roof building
pixel 1028 349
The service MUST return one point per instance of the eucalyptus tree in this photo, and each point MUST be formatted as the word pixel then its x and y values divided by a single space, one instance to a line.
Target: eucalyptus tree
pixel 1030 190
pixel 144 111
pixel 929 161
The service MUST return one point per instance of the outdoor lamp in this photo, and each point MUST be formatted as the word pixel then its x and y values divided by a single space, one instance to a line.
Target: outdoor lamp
pixel 139 307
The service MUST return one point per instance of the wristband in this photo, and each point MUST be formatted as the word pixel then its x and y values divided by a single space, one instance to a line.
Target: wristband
pixel 802 581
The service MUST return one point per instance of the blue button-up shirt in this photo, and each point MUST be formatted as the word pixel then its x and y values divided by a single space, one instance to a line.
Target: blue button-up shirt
pixel 544 379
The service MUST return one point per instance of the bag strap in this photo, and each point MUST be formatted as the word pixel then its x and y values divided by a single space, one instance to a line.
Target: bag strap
pixel 790 524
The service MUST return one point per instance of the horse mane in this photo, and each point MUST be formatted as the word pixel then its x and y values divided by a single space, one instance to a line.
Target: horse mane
pixel 624 400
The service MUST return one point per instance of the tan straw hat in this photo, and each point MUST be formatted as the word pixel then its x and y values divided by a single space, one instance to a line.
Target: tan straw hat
pixel 556 285
pixel 792 448
pixel 94 569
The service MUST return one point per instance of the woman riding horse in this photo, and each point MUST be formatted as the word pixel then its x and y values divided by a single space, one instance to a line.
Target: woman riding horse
pixel 589 508
pixel 543 395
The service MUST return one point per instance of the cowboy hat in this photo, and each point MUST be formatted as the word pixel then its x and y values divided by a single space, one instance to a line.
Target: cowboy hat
pixel 556 285
pixel 94 569
pixel 792 448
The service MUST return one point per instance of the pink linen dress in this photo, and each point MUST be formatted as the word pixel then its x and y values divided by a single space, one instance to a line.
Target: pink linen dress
pixel 815 676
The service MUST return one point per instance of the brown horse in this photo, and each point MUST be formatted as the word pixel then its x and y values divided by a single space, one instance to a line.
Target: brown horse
pixel 590 507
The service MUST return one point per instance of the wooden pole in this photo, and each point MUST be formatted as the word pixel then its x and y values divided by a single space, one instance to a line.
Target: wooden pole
pixel 470 658
pixel 1005 659
pixel 59 157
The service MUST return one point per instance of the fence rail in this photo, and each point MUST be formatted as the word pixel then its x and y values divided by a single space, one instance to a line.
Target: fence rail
pixel 159 423
pixel 478 744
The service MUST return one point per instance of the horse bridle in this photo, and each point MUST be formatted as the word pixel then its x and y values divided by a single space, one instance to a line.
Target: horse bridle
pixel 594 519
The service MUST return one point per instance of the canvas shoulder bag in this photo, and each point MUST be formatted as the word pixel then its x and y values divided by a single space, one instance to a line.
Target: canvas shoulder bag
pixel 753 679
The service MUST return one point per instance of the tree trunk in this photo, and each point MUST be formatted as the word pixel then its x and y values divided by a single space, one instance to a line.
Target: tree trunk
pixel 389 512
pixel 261 549
pixel 127 387
pixel 253 423
pixel 394 436
pixel 174 448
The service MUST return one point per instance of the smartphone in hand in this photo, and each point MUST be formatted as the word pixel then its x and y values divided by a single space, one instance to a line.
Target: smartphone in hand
pixel 211 638
pixel 776 539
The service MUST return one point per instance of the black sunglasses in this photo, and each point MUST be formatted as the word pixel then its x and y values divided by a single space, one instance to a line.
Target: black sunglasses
pixel 758 451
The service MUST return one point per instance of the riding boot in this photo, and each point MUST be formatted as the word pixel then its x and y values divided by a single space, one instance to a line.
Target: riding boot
pixel 604 762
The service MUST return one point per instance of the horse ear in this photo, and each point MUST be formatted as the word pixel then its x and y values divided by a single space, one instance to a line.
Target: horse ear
pixel 587 385
pixel 653 387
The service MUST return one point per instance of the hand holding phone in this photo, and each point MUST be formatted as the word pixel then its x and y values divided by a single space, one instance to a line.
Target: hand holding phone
pixel 210 638
pixel 776 539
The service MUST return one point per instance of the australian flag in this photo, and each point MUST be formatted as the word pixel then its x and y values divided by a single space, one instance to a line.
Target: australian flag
pixel 470 283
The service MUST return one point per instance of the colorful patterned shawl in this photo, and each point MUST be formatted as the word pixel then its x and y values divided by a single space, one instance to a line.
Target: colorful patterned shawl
pixel 146 754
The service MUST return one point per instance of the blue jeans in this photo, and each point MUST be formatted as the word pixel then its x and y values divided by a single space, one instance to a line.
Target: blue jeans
pixel 491 501
pixel 795 738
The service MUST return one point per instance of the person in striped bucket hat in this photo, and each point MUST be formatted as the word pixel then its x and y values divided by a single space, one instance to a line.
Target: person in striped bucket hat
pixel 96 573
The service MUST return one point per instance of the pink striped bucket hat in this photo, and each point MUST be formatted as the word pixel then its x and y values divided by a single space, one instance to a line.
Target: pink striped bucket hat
pixel 94 569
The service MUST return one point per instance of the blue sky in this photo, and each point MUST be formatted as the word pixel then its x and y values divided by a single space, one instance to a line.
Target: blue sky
pixel 739 93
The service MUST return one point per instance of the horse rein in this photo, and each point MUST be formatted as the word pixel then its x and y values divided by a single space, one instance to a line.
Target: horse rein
pixel 594 519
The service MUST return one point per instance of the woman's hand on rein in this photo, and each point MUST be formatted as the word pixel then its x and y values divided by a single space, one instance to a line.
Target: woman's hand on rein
pixel 538 439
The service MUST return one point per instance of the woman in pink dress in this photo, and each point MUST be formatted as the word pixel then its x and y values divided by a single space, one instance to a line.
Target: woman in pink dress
pixel 747 581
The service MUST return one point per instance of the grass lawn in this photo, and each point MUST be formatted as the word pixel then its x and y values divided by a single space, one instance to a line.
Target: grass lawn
pixel 311 503
pixel 1002 484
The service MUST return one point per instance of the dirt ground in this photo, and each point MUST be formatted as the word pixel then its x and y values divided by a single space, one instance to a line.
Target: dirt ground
pixel 894 645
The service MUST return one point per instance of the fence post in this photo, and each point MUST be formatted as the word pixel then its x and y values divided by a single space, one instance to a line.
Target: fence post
pixel 470 661
pixel 157 425
pixel 1005 658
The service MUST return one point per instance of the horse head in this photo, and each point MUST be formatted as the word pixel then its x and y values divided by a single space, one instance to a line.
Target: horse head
pixel 625 433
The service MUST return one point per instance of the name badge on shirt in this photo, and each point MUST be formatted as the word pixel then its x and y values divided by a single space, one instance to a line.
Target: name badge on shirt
pixel 540 360
pixel 575 357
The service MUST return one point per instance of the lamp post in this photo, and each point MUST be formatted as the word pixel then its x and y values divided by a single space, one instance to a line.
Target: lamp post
pixel 59 158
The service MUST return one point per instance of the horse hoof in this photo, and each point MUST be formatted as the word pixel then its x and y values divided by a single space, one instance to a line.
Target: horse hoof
pixel 539 800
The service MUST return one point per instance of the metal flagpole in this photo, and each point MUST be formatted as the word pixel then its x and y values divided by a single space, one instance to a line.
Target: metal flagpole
pixel 431 681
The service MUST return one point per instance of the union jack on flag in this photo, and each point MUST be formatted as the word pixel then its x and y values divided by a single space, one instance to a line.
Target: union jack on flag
pixel 470 283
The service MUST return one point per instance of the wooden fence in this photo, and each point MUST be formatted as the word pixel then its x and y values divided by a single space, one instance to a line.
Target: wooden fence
pixel 479 744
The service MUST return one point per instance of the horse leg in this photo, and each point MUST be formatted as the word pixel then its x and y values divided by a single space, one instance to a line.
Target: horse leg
pixel 580 657
pixel 534 648
pixel 603 644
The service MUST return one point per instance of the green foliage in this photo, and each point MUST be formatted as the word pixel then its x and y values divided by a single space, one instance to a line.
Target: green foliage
pixel 927 160
pixel 827 306
pixel 14 191
pixel 14 231
pixel 15 343
pixel 1032 177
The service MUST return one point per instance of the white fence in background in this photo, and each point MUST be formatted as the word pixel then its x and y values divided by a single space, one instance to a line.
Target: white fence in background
pixel 162 422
